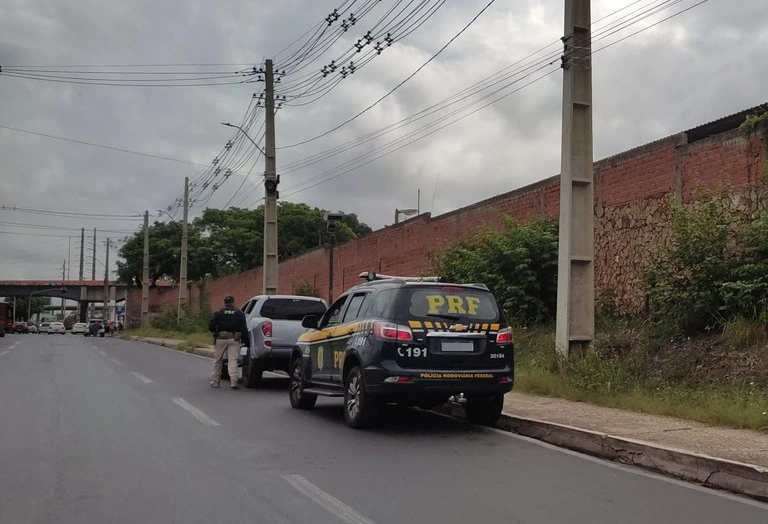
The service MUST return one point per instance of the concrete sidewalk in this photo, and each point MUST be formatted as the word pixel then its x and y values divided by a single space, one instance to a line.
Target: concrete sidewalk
pixel 724 458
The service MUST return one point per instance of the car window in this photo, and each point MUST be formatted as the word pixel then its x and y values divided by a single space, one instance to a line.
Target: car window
pixel 332 317
pixel 381 305
pixel 355 308
pixel 248 306
pixel 291 308
pixel 452 303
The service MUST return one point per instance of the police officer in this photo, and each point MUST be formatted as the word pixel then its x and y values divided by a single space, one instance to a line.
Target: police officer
pixel 227 325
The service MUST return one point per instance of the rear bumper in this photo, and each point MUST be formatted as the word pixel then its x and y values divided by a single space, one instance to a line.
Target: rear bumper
pixel 437 383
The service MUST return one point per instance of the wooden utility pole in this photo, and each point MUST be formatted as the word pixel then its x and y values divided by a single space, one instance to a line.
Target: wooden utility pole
pixel 270 188
pixel 183 290
pixel 575 326
pixel 145 275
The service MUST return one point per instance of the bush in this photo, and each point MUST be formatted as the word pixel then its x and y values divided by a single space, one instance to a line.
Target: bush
pixel 684 286
pixel 519 265
pixel 190 323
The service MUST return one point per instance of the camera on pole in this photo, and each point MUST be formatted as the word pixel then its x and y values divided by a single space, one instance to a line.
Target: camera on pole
pixel 331 219
pixel 270 184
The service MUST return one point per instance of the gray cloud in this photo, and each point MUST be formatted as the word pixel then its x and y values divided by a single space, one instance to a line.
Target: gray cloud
pixel 689 70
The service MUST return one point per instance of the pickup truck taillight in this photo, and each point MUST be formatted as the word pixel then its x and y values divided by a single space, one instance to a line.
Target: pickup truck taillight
pixel 266 330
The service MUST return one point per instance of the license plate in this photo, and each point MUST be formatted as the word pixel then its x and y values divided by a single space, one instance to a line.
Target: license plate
pixel 243 351
pixel 457 346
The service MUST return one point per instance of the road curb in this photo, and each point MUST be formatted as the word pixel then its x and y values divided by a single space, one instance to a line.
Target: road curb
pixel 736 477
pixel 203 352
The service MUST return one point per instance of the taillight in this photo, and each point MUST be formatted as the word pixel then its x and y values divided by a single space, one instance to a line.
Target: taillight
pixel 387 331
pixel 504 336
pixel 266 330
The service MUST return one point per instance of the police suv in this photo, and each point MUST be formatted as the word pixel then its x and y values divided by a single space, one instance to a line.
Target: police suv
pixel 413 341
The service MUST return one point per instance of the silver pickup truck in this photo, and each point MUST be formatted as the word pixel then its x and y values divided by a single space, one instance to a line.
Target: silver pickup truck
pixel 274 324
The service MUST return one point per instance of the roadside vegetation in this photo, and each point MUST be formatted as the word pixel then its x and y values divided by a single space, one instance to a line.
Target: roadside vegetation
pixel 192 329
pixel 699 351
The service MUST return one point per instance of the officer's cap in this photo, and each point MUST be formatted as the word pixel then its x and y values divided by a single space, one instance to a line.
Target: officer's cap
pixel 229 299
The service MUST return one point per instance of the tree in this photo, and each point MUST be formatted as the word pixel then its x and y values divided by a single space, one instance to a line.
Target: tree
pixel 224 241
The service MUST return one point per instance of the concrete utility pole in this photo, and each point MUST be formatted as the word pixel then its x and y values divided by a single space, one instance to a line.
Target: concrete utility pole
pixel 93 267
pixel 575 326
pixel 82 251
pixel 270 188
pixel 183 291
pixel 105 311
pixel 63 276
pixel 145 275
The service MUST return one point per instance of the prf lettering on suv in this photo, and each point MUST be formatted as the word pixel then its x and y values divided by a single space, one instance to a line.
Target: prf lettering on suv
pixel 412 341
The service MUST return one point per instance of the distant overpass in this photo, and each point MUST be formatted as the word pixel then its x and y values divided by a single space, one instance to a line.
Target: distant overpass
pixel 82 291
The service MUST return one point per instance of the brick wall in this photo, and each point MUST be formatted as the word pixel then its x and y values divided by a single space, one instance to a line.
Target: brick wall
pixel 634 192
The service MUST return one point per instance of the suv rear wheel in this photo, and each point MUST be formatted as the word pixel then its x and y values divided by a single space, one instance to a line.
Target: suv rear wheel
pixel 251 372
pixel 360 409
pixel 484 410
pixel 299 399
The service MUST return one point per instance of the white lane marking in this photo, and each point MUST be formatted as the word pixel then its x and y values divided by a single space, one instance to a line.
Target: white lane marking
pixel 199 415
pixel 4 352
pixel 103 353
pixel 13 346
pixel 141 377
pixel 629 469
pixel 327 501
pixel 117 362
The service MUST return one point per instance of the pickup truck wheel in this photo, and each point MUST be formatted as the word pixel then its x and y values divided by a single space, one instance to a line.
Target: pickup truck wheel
pixel 360 409
pixel 224 371
pixel 299 399
pixel 484 410
pixel 251 373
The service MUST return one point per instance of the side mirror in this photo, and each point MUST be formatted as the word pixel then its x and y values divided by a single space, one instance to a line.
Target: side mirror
pixel 310 321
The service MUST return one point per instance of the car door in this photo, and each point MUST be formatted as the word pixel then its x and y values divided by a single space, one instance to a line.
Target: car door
pixel 345 332
pixel 321 346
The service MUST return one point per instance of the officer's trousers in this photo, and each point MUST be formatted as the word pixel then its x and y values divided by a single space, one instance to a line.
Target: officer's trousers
pixel 232 349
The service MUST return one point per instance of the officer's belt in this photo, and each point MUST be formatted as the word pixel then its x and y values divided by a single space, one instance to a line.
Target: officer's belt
pixel 225 335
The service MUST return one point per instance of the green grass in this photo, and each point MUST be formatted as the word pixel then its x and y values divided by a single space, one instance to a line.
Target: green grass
pixel 624 382
pixel 189 340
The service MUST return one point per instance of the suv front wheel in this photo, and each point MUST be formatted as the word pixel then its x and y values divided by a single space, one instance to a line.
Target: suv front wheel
pixel 484 410
pixel 360 409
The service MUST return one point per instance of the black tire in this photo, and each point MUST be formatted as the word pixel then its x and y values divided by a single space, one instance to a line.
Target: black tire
pixel 484 410
pixel 251 372
pixel 360 409
pixel 299 399
pixel 224 371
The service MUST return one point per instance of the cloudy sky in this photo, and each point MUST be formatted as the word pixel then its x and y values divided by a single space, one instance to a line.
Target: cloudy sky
pixel 150 81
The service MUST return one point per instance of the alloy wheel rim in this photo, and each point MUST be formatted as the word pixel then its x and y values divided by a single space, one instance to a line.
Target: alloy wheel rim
pixel 353 397
pixel 296 382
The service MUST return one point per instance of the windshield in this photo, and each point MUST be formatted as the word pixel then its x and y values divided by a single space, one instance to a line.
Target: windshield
pixel 452 303
pixel 291 308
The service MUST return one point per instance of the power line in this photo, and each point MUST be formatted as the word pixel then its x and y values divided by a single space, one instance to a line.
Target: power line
pixel 366 158
pixel 398 85
pixel 101 216
pixel 92 144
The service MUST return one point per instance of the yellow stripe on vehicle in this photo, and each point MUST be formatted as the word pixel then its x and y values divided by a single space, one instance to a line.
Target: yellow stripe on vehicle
pixel 415 324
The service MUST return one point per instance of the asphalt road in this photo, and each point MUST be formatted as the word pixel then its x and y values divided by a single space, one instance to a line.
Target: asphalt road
pixel 111 431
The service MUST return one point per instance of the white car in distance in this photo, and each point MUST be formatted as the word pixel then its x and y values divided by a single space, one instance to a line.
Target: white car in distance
pixel 57 327
pixel 79 328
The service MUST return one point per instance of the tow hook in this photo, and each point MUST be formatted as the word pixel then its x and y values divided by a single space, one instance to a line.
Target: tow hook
pixel 458 399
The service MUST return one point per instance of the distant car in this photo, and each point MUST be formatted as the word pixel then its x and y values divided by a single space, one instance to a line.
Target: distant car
pixel 79 328
pixel 31 327
pixel 44 327
pixel 20 327
pixel 57 327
